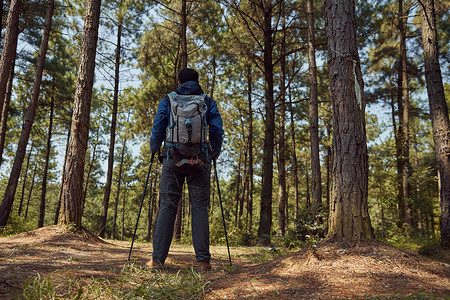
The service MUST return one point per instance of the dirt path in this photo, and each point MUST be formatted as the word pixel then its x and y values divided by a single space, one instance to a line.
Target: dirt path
pixel 335 270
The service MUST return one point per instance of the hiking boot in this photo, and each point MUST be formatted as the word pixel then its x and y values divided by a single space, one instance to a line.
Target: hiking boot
pixel 204 266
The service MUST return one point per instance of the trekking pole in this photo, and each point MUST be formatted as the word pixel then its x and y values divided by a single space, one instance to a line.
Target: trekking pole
pixel 221 208
pixel 142 202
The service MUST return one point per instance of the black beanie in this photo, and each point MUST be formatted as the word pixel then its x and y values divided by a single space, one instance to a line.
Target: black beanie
pixel 187 75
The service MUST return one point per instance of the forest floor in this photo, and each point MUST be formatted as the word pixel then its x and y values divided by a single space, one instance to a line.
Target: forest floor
pixel 83 266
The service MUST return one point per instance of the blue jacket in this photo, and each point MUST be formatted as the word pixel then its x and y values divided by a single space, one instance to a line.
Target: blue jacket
pixel 213 119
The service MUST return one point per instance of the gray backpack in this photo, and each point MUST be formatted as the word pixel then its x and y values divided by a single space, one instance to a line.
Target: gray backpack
pixel 187 130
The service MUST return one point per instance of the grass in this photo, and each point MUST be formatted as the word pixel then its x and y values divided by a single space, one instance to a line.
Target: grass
pixel 132 283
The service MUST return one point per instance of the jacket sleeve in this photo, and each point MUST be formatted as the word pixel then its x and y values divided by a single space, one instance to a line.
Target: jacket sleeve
pixel 160 124
pixel 215 127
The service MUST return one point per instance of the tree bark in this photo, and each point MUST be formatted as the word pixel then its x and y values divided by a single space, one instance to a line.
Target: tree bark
pixel 88 174
pixel 47 159
pixel 9 45
pixel 10 191
pixel 71 211
pixel 119 181
pixel 439 113
pixel 30 191
pixel 58 205
pixel 178 220
pixel 25 180
pixel 265 220
pixel 405 117
pixel 5 109
pixel 250 151
pixel 349 216
pixel 112 140
pixel 184 54
pixel 316 186
pixel 282 194
pixel 295 170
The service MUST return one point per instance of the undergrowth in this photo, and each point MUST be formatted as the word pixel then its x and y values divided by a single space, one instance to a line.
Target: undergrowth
pixel 132 283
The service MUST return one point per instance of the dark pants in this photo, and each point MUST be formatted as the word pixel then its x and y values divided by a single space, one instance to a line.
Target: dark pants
pixel 172 180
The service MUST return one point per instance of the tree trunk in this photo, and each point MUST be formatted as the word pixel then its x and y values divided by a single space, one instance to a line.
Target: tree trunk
pixel 244 185
pixel 30 192
pixel 265 220
pixel 398 148
pixel 282 195
pixel 25 180
pixel 58 205
pixel 439 113
pixel 122 236
pixel 112 140
pixel 88 174
pixel 250 151
pixel 184 54
pixel 47 159
pixel 405 117
pixel 349 216
pixel 5 110
pixel 316 186
pixel 178 220
pixel 119 180
pixel 10 191
pixel 71 211
pixel 238 189
pixel 9 46
pixel 295 170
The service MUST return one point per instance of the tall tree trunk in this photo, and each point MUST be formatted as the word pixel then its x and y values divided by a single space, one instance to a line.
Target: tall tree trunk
pixel 119 181
pixel 282 195
pixel 88 174
pixel 329 163
pixel 72 203
pixel 1 19
pixel 405 117
pixel 58 205
pixel 238 190
pixel 295 170
pixel 9 46
pixel 265 220
pixel 30 192
pixel 178 220
pixel 25 180
pixel 47 159
pixel 250 151
pixel 10 191
pixel 112 140
pixel 398 148
pixel 184 54
pixel 439 113
pixel 316 186
pixel 5 110
pixel 349 216
pixel 122 236
pixel 244 185
pixel 214 75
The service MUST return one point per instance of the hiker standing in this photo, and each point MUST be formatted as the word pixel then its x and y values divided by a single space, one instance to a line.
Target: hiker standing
pixel 182 120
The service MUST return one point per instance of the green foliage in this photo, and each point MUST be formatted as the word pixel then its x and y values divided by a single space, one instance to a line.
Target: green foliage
pixel 38 288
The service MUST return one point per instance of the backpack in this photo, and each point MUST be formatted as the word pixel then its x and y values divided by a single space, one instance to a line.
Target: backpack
pixel 186 135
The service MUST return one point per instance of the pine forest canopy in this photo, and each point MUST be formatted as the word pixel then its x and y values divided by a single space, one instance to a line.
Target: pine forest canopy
pixel 335 114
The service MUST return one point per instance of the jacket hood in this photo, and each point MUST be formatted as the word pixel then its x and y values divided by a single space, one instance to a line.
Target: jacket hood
pixel 189 88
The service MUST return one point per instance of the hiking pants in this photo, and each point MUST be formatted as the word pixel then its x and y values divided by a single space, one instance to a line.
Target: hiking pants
pixel 172 179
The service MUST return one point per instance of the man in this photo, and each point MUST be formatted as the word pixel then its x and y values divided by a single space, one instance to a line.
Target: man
pixel 174 175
